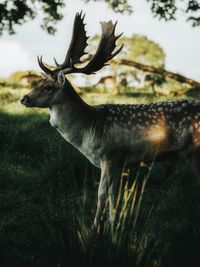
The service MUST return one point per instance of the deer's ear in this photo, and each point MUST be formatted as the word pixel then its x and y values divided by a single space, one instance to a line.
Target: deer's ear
pixel 61 78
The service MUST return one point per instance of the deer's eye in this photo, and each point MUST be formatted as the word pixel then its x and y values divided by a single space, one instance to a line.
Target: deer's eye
pixel 48 90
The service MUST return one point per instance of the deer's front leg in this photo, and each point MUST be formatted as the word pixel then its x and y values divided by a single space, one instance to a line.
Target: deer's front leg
pixel 113 187
pixel 102 193
pixel 108 189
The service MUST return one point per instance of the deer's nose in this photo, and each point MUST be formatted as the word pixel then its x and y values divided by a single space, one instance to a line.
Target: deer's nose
pixel 26 100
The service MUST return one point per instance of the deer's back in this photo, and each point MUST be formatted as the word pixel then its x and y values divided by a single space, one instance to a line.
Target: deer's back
pixel 138 132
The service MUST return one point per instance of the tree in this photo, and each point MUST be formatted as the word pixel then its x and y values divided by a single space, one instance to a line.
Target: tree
pixel 17 12
pixel 142 50
pixel 137 48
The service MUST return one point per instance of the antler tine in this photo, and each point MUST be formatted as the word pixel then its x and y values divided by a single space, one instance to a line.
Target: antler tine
pixel 105 50
pixel 43 66
pixel 78 44
pixel 56 62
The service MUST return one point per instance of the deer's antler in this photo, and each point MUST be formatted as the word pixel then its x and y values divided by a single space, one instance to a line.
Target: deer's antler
pixel 104 53
pixel 105 50
pixel 76 49
pixel 78 44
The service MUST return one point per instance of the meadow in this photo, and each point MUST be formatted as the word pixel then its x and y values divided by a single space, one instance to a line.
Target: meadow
pixel 48 195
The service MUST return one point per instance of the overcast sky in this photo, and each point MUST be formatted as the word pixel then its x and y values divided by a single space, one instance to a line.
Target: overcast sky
pixel 180 41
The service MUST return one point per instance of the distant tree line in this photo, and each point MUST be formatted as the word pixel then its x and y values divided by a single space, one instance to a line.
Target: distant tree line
pixel 17 12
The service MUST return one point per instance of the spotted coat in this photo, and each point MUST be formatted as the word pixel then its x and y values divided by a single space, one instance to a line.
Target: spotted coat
pixel 140 132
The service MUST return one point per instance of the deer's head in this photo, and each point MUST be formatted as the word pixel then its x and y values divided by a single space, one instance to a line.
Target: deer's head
pixel 49 90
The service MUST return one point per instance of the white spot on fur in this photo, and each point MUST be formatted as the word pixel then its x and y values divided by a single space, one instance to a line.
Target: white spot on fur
pixel 190 129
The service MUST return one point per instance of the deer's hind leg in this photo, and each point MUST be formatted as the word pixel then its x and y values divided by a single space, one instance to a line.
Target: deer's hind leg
pixel 192 159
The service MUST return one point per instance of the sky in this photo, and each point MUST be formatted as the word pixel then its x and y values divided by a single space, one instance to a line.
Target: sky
pixel 180 41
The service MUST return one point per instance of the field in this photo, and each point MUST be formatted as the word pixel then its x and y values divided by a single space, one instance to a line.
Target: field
pixel 48 194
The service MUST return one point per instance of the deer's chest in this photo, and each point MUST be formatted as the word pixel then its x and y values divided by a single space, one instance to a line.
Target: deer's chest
pixel 60 123
pixel 54 118
pixel 84 140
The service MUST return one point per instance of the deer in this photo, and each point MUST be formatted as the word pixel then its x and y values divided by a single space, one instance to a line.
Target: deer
pixel 112 135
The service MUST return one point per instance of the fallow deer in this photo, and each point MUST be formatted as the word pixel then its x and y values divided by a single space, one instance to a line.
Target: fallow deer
pixel 112 135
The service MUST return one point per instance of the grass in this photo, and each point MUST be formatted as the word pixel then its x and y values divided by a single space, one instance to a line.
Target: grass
pixel 48 199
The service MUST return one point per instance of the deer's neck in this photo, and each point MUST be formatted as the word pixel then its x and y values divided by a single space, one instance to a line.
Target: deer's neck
pixel 72 117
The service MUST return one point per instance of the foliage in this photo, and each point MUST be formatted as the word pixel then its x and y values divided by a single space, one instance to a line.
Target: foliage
pixel 155 78
pixel 16 77
pixel 119 6
pixel 7 96
pixel 163 9
pixel 23 78
pixel 168 9
pixel 142 50
pixel 17 12
pixel 2 81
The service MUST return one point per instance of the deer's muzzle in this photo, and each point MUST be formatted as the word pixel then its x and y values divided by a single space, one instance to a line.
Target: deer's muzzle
pixel 26 101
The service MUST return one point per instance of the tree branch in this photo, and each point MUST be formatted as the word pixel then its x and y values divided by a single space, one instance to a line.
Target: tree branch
pixel 175 76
